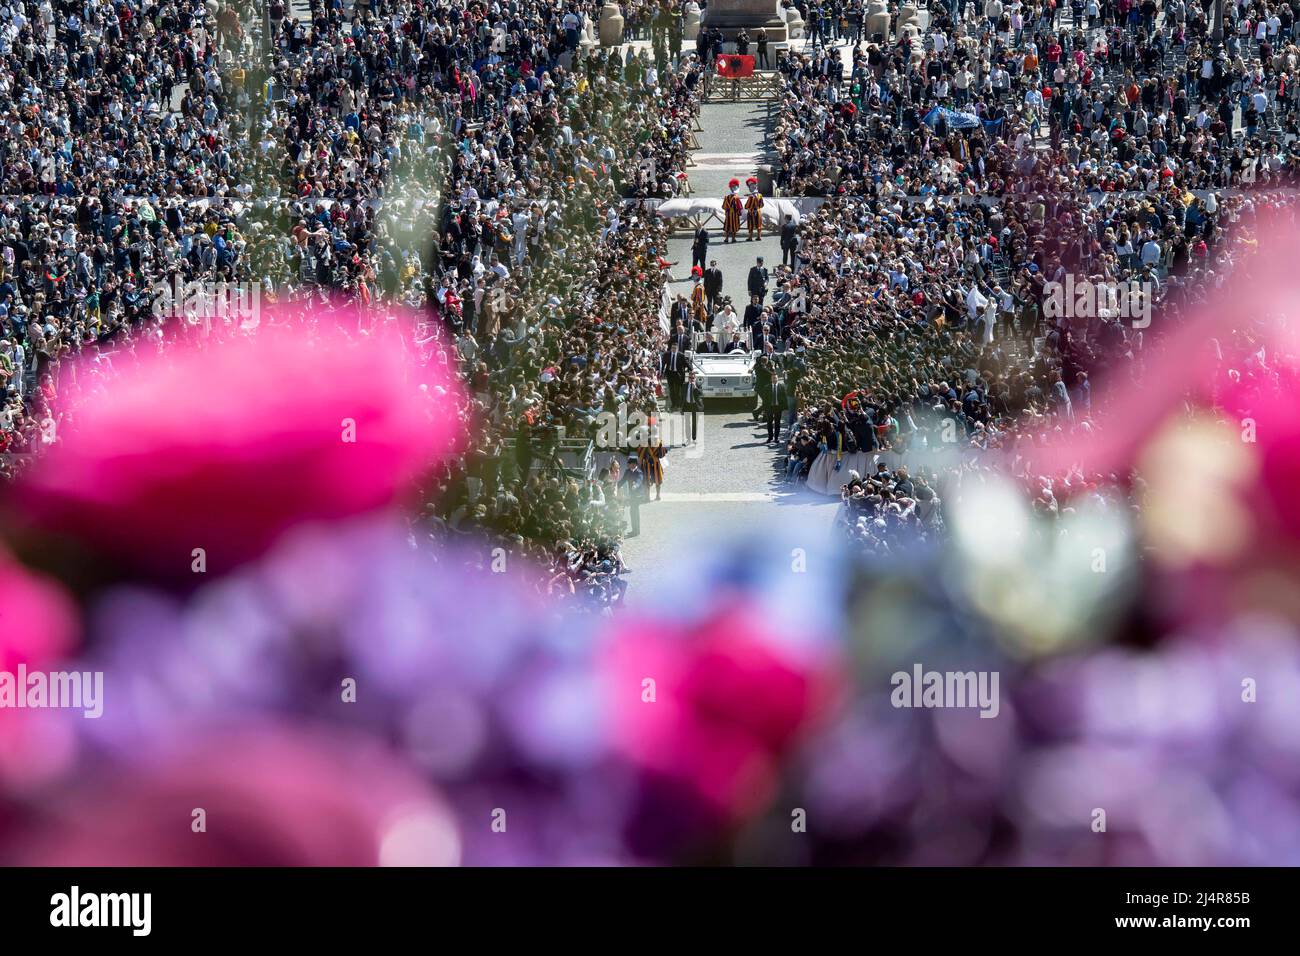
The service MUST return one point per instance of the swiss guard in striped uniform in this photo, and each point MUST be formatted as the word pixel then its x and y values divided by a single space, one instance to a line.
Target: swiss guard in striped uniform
pixel 651 460
pixel 731 207
pixel 698 309
pixel 753 210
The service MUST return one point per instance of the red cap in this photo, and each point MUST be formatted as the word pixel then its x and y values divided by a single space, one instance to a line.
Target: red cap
pixel 734 183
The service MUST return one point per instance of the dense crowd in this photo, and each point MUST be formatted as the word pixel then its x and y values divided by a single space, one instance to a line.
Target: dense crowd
pixel 1126 96
pixel 969 169
pixel 977 175
pixel 924 369
pixel 165 164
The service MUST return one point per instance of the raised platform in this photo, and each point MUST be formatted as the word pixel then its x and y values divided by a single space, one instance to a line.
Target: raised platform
pixel 732 16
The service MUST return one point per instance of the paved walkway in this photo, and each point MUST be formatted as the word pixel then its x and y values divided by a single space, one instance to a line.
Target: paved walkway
pixel 731 145
pixel 729 484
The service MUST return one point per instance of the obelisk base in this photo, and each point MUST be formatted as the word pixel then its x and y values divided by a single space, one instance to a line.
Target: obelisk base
pixel 731 16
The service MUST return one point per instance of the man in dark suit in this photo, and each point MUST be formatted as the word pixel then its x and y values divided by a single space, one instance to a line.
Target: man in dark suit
pixel 680 312
pixel 764 339
pixel 753 312
pixel 700 247
pixel 708 346
pixel 680 337
pixel 635 491
pixel 713 285
pixel 795 367
pixel 758 280
pixel 692 402
pixel 764 372
pixel 777 327
pixel 716 45
pixel 789 243
pixel 735 345
pixel 771 396
pixel 675 367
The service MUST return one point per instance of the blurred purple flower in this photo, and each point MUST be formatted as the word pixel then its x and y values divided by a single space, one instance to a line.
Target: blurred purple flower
pixel 1192 763
pixel 481 686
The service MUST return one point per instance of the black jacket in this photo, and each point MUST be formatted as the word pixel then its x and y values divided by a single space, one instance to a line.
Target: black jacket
pixel 675 365
pixel 772 393
pixel 712 281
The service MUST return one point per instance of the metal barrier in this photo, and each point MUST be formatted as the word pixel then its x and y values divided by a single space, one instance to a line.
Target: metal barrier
pixel 759 85
pixel 576 456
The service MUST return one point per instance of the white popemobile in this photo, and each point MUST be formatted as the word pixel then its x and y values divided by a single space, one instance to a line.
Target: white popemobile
pixel 725 374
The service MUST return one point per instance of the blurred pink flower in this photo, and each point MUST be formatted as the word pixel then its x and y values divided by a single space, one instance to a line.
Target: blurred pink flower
pixel 1276 445
pixel 223 448
pixel 38 627
pixel 729 701
pixel 38 623
pixel 270 797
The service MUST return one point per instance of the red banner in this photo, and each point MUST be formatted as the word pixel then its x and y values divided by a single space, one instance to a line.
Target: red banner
pixel 734 66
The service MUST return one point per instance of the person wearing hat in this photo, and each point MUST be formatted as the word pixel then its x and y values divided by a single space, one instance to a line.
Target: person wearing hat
pixel 652 456
pixel 698 295
pixel 753 210
pixel 731 209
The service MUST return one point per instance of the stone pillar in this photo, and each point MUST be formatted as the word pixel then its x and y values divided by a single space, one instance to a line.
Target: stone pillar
pixel 611 25
pixel 794 23
pixel 877 20
pixel 731 15
pixel 907 15
pixel 911 32
pixel 691 22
